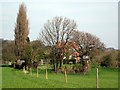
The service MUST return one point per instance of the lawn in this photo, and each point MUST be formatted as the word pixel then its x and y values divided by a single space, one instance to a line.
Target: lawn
pixel 108 78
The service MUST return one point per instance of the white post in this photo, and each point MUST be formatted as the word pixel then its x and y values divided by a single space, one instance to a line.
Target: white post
pixel 97 80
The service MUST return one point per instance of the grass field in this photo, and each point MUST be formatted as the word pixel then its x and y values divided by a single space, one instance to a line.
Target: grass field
pixel 108 78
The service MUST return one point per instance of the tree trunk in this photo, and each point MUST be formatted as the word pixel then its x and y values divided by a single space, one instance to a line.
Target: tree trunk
pixel 61 63
pixel 56 66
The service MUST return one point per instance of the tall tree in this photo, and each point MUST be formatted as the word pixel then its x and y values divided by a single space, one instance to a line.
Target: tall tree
pixel 21 32
pixel 86 43
pixel 56 33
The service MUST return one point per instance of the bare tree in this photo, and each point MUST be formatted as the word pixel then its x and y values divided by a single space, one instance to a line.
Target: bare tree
pixel 56 33
pixel 86 43
pixel 21 32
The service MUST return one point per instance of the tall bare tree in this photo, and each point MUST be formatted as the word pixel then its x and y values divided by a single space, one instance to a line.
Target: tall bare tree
pixel 21 32
pixel 86 43
pixel 56 33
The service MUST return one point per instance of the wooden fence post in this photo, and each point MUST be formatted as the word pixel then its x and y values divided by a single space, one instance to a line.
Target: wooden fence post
pixel 24 71
pixel 46 72
pixel 37 71
pixel 97 80
pixel 65 75
pixel 31 71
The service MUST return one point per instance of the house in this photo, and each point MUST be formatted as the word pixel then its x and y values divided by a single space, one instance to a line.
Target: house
pixel 70 50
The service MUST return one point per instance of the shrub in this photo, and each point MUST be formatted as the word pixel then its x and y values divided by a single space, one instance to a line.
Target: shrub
pixel 106 60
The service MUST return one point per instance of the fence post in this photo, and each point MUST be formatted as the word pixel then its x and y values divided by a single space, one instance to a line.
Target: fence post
pixel 46 72
pixel 37 71
pixel 97 80
pixel 24 71
pixel 65 75
pixel 30 71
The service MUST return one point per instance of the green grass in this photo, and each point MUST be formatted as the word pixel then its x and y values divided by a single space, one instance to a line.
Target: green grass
pixel 108 78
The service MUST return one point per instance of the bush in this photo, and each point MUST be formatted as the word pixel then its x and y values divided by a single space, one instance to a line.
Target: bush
pixel 111 59
pixel 106 60
pixel 66 61
pixel 73 68
pixel 5 65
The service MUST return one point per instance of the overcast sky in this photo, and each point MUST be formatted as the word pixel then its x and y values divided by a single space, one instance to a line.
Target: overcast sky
pixel 99 17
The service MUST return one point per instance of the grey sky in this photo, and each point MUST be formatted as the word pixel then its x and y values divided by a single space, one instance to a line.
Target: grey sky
pixel 99 17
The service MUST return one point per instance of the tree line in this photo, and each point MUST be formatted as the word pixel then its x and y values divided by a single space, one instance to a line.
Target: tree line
pixel 56 38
